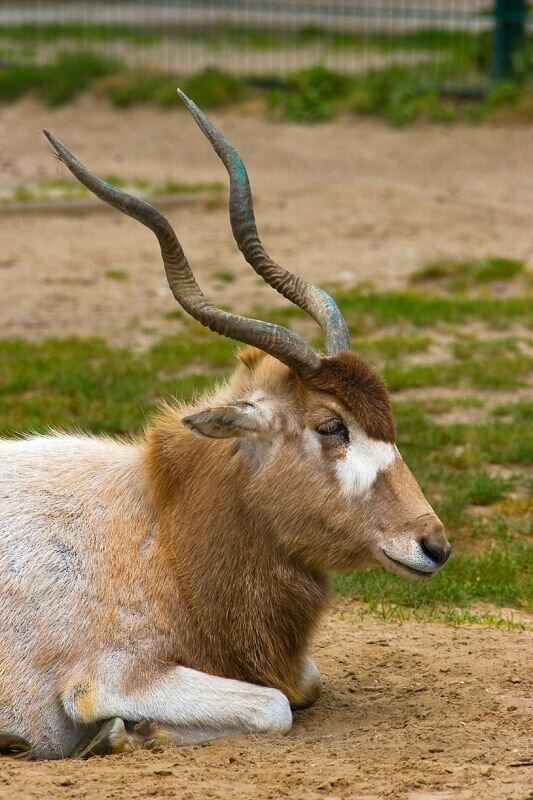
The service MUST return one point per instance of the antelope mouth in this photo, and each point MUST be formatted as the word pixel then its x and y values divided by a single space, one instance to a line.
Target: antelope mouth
pixel 406 570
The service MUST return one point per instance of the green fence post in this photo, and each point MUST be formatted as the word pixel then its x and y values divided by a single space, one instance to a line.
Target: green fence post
pixel 509 28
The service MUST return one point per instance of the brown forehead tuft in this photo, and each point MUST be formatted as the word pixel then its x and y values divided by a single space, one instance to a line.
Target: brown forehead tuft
pixel 250 357
pixel 360 389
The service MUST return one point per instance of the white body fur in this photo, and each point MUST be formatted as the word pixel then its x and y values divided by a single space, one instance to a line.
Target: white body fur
pixel 54 498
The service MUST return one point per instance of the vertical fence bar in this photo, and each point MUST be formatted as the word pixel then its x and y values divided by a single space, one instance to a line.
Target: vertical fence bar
pixel 509 29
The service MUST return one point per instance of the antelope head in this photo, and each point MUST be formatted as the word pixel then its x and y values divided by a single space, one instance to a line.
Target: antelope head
pixel 314 431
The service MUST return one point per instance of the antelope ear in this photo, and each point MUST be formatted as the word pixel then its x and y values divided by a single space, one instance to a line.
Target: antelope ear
pixel 241 418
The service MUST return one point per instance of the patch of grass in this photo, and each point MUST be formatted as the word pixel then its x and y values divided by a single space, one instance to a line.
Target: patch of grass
pixel 75 72
pixel 23 194
pixel 442 405
pixel 471 47
pixel 66 189
pixel 226 276
pixel 19 79
pixel 393 347
pixel 501 575
pixel 521 411
pixel 427 39
pixel 484 489
pixel 461 275
pixel 209 88
pixel 85 383
pixel 133 87
pixel 380 309
pixel 171 186
pixel 117 274
pixel 52 32
pixel 369 311
pixel 399 94
pixel 212 87
pixel 59 82
pixel 476 370
pixel 449 615
pixel 176 313
pixel 460 446
pixel 311 95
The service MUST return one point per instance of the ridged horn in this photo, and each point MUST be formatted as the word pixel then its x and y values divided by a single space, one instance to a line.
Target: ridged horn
pixel 306 295
pixel 276 340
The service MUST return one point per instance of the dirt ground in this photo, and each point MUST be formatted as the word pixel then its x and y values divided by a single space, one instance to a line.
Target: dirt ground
pixel 340 202
pixel 410 712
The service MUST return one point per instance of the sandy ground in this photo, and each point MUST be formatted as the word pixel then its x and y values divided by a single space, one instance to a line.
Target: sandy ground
pixel 340 202
pixel 409 712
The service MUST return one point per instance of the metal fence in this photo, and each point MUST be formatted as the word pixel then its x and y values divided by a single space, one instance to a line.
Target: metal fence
pixel 448 40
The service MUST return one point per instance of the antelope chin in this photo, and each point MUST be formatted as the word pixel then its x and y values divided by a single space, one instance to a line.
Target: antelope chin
pixel 405 570
pixel 406 559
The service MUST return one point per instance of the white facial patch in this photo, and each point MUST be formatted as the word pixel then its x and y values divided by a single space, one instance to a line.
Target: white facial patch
pixel 364 459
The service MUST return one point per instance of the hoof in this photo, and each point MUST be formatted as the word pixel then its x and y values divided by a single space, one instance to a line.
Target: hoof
pixel 111 738
pixel 14 746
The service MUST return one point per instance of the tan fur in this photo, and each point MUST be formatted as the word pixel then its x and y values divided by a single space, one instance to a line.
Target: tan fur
pixel 273 531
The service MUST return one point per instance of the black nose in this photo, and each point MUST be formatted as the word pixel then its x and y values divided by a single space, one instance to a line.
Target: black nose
pixel 437 547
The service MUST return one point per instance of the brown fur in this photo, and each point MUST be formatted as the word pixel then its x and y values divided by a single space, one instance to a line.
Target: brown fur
pixel 246 613
pixel 251 550
pixel 361 390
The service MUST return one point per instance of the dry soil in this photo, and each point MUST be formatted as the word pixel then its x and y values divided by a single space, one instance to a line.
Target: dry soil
pixel 412 711
pixel 341 202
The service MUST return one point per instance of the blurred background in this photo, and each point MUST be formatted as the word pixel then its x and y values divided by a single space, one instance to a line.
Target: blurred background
pixel 389 147
pixel 464 41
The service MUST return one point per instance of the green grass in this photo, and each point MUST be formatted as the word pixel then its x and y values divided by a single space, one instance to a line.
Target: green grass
pixel 225 275
pixel 476 471
pixel 408 311
pixel 312 95
pixel 426 39
pixel 521 411
pixel 477 370
pixel 117 275
pixel 368 309
pixel 447 614
pixel 85 383
pixel 210 88
pixel 53 32
pixel 465 44
pixel 399 94
pixel 502 575
pixel 62 81
pixel 460 276
pixel 67 189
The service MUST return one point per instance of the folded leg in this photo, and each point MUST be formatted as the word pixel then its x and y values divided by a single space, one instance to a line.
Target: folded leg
pixel 184 706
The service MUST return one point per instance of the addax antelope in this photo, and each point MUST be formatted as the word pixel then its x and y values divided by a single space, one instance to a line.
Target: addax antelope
pixel 166 589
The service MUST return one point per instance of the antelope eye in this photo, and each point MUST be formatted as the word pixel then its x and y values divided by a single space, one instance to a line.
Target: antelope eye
pixel 334 427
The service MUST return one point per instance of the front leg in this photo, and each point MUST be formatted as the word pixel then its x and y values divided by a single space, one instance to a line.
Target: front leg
pixel 194 703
